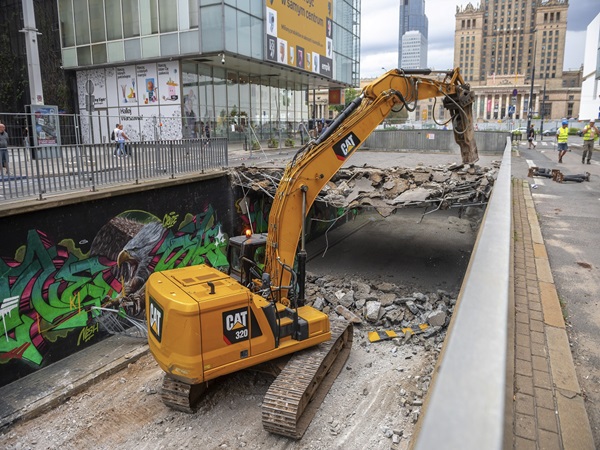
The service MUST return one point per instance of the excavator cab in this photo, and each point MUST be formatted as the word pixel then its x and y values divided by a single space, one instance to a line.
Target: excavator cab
pixel 246 256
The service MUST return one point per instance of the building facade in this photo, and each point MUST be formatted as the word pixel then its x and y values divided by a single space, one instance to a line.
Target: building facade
pixel 502 46
pixel 413 18
pixel 590 89
pixel 414 50
pixel 170 69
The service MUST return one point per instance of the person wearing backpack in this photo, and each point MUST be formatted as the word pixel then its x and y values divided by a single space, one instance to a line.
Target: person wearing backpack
pixel 121 137
pixel 113 139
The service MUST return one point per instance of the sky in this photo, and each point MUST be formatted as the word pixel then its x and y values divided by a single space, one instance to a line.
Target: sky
pixel 379 33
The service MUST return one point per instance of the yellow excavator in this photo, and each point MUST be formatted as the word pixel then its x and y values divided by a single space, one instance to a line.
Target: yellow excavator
pixel 204 323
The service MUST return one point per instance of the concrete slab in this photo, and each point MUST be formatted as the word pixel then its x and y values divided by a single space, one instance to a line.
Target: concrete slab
pixel 553 315
pixel 561 361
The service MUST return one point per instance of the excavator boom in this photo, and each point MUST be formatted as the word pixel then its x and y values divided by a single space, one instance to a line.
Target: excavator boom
pixel 316 163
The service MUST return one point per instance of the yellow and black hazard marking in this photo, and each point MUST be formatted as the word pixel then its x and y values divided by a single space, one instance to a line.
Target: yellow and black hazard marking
pixel 376 336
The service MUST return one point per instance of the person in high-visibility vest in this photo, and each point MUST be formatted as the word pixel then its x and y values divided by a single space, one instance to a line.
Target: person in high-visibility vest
pixel 590 134
pixel 562 134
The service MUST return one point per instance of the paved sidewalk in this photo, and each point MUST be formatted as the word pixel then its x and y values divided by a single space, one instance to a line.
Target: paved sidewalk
pixel 549 411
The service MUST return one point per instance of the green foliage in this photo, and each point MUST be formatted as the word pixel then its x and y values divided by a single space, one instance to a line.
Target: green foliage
pixel 289 142
pixel 14 79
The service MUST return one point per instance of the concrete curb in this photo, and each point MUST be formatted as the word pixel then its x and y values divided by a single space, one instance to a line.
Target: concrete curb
pixel 574 426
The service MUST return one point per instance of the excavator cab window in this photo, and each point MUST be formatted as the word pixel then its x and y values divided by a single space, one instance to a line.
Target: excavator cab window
pixel 244 253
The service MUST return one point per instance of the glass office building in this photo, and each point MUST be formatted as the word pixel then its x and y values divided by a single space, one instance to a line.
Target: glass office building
pixel 170 68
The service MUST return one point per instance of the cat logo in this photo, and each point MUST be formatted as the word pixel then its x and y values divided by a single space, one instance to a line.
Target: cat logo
pixel 235 326
pixel 155 319
pixel 344 148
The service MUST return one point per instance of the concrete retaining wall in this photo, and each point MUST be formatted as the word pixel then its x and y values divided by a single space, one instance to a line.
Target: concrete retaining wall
pixel 488 142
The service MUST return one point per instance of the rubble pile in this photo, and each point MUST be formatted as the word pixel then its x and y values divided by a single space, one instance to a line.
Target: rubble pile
pixel 386 190
pixel 382 305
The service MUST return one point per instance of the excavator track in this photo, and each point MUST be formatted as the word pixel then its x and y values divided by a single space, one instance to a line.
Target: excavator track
pixel 181 396
pixel 294 397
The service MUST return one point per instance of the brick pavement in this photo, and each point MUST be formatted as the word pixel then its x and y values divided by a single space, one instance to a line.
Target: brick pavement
pixel 549 411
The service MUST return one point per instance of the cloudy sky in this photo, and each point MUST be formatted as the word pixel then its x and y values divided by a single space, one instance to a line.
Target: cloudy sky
pixel 379 33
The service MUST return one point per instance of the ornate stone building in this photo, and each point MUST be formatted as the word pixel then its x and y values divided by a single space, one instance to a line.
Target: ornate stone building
pixel 500 45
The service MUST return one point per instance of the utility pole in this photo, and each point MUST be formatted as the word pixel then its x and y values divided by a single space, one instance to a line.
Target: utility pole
pixel 530 104
pixel 36 92
pixel 543 111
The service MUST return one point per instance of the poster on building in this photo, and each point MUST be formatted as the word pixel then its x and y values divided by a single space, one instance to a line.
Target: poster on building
pixel 147 79
pixel 300 34
pixel 126 86
pixel 46 132
pixel 169 84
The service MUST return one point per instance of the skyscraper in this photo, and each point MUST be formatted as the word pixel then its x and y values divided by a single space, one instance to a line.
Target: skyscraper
pixel 414 50
pixel 413 18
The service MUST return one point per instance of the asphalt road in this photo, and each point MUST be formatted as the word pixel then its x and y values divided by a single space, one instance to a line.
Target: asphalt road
pixel 568 214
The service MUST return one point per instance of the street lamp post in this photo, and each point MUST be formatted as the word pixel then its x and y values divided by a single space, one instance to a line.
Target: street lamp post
pixel 543 111
pixel 530 106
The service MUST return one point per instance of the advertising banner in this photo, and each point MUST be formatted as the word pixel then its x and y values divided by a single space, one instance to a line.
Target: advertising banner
pixel 299 33
pixel 46 131
pixel 168 79
pixel 127 90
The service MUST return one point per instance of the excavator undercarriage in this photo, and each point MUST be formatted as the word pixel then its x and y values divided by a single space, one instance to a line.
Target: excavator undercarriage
pixel 303 381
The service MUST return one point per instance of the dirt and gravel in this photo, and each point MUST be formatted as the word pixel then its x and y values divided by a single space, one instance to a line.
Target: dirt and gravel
pixel 370 402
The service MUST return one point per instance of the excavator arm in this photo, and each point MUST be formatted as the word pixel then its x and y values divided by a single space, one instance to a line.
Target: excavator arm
pixel 318 161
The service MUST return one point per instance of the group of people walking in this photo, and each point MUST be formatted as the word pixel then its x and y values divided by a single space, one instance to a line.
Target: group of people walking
pixel 119 137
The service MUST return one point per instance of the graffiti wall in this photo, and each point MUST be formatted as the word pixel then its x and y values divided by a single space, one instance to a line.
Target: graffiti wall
pixel 59 265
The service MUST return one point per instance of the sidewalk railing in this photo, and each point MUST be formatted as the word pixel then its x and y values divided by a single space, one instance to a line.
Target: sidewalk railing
pixel 44 170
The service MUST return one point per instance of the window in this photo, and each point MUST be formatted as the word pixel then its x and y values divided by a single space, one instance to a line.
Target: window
pixel 131 26
pixel 167 12
pixel 65 9
pixel 114 25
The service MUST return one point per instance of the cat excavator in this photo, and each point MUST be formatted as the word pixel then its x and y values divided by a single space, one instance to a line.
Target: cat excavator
pixel 204 323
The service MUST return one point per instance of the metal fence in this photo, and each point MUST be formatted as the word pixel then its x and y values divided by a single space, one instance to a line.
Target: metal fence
pixel 39 171
pixel 432 141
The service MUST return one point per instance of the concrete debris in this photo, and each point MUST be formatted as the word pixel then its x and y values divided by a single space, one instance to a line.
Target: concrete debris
pixel 381 306
pixel 387 189
pixel 373 311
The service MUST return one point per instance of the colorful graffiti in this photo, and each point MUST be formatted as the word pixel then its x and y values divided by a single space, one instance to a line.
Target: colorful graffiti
pixel 47 290
pixel 254 212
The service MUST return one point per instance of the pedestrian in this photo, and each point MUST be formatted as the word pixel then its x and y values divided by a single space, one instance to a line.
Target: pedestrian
pixel 562 135
pixel 121 137
pixel 590 134
pixel 319 128
pixel 4 148
pixel 531 137
pixel 113 138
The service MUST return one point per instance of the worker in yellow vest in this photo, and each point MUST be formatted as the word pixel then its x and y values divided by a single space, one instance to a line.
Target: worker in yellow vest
pixel 562 134
pixel 590 134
